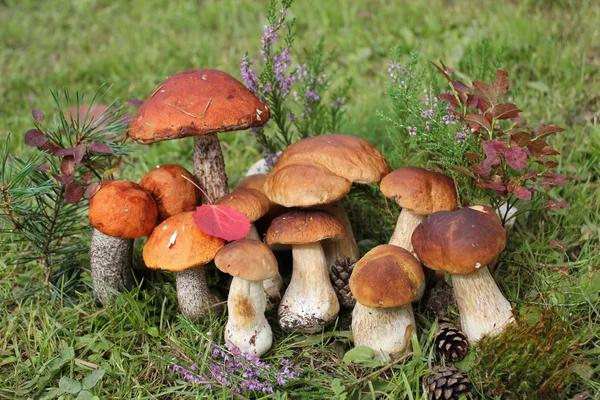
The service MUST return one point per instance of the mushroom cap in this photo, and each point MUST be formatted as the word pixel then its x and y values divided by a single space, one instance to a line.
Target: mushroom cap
pixel 123 209
pixel 251 202
pixel 304 227
pixel 459 241
pixel 305 185
pixel 195 103
pixel 247 259
pixel 173 193
pixel 255 181
pixel 177 244
pixel 387 276
pixel 419 190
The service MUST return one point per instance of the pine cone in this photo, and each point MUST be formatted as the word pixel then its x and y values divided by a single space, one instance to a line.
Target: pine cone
pixel 451 343
pixel 447 383
pixel 340 279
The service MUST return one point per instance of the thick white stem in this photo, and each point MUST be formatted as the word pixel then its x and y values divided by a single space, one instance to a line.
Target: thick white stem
pixel 110 265
pixel 309 303
pixel 385 330
pixel 195 298
pixel 482 307
pixel 405 226
pixel 209 166
pixel 271 286
pixel 247 328
pixel 346 247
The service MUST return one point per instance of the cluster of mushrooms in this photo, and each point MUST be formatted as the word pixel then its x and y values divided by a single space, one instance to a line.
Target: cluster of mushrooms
pixel 295 206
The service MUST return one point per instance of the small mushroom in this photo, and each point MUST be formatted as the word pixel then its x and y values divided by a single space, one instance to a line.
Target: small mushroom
pixel 177 245
pixel 250 262
pixel 119 212
pixel 384 282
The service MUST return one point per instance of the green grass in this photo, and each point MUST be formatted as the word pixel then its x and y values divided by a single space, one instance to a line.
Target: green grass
pixel 550 49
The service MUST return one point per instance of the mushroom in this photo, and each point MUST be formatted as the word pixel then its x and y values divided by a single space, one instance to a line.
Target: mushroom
pixel 177 245
pixel 309 302
pixel 384 282
pixel 250 262
pixel 199 103
pixel 119 212
pixel 257 182
pixel 463 243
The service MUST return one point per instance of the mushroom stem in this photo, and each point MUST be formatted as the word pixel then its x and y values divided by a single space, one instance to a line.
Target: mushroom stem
pixel 209 166
pixel 309 303
pixel 346 247
pixel 385 330
pixel 272 286
pixel 247 328
pixel 195 298
pixel 110 265
pixel 482 307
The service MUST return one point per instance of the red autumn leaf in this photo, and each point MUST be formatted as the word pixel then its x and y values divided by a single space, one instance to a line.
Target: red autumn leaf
pixel 506 111
pixel 501 83
pixel 43 168
pixel 547 131
pixel 486 92
pixel 63 178
pixel 472 156
pixel 67 166
pixel 91 189
pixel 449 97
pixel 137 103
pixel 472 100
pixel 477 120
pixel 38 116
pixel 73 192
pixel 539 147
pixel 522 193
pixel 221 221
pixel 516 158
pixel 443 70
pixel 521 138
pixel 49 147
pixel 78 153
pixel 98 147
pixel 34 137
pixel 86 178
pixel 459 86
pixel 68 151
pixel 493 147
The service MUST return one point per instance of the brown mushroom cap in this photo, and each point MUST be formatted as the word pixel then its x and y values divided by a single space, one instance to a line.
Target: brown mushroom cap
pixel 387 276
pixel 194 103
pixel 304 227
pixel 459 241
pixel 420 191
pixel 123 209
pixel 255 181
pixel 175 252
pixel 247 259
pixel 249 201
pixel 173 193
pixel 305 185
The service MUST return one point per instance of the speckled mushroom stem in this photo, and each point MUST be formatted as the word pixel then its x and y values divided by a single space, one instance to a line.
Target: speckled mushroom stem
pixel 482 307
pixel 209 166
pixel 195 298
pixel 346 247
pixel 110 265
pixel 385 330
pixel 247 328
pixel 309 302
pixel 271 286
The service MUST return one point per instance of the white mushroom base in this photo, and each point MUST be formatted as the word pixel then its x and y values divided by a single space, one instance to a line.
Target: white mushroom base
pixel 482 307
pixel 309 303
pixel 247 328
pixel 387 331
pixel 272 286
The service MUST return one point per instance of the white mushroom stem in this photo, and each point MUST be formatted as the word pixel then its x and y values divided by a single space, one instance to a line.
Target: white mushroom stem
pixel 385 330
pixel 195 298
pixel 110 265
pixel 482 307
pixel 405 226
pixel 272 286
pixel 247 328
pixel 209 166
pixel 309 303
pixel 346 247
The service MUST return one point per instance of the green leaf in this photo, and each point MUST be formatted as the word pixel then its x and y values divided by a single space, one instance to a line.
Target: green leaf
pixel 362 355
pixel 52 394
pixel 85 395
pixel 69 385
pixel 65 355
pixel 93 378
pixel 153 331
pixel 337 386
pixel 467 363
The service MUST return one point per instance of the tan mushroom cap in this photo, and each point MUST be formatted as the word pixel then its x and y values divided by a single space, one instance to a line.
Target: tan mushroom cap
pixel 173 193
pixel 177 244
pixel 459 241
pixel 419 190
pixel 249 201
pixel 304 227
pixel 194 103
pixel 123 209
pixel 247 259
pixel 387 276
pixel 255 181
pixel 347 156
pixel 305 185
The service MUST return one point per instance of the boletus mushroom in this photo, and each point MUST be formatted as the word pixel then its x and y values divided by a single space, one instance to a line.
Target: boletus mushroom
pixel 250 262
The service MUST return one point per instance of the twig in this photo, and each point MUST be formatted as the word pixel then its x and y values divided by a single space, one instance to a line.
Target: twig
pixel 381 370
pixel 157 89
pixel 192 115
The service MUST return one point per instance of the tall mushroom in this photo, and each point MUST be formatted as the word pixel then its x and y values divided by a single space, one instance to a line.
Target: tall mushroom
pixel 309 302
pixel 250 262
pixel 463 243
pixel 119 212
pixel 384 282
pixel 177 245
pixel 199 103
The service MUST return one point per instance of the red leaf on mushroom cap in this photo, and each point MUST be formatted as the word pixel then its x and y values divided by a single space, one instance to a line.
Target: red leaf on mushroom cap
pixel 221 221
